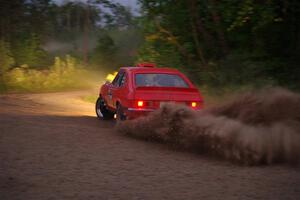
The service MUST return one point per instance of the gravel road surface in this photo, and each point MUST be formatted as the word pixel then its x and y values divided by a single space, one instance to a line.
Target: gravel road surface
pixel 53 147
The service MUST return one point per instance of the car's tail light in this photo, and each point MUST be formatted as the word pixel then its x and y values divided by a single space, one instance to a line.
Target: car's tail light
pixel 140 104
pixel 194 104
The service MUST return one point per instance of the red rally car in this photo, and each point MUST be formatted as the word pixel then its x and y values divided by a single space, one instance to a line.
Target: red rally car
pixel 136 91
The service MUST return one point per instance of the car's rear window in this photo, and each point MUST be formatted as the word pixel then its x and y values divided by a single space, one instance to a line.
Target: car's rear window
pixel 159 80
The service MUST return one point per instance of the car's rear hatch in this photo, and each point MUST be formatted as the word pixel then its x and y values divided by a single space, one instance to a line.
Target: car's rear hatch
pixel 155 97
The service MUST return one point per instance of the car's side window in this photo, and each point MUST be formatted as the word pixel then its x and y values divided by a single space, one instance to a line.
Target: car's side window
pixel 122 80
pixel 119 80
pixel 116 79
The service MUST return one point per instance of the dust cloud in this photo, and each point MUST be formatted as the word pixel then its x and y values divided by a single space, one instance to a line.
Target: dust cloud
pixel 254 128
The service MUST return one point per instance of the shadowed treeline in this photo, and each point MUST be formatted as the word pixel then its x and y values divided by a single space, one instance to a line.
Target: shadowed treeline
pixel 220 45
pixel 51 46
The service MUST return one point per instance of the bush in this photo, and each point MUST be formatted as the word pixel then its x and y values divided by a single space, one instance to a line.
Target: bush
pixel 64 74
pixel 6 61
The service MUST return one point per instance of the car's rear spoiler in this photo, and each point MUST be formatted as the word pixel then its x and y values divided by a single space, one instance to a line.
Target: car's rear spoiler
pixel 167 88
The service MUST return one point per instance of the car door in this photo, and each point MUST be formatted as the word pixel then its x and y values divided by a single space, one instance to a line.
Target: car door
pixel 109 99
pixel 121 90
pixel 113 91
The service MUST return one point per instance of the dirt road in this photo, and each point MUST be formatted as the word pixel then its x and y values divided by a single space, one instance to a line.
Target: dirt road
pixel 53 147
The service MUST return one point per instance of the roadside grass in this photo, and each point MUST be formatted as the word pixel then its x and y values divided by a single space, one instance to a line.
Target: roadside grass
pixel 64 74
pixel 90 98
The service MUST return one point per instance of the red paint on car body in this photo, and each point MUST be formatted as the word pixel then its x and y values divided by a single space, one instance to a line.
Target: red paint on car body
pixel 138 96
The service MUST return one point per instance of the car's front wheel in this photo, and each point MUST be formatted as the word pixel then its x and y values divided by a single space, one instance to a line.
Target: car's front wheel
pixel 102 111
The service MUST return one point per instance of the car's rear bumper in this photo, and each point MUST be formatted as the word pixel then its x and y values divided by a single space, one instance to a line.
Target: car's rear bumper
pixel 132 113
pixel 140 109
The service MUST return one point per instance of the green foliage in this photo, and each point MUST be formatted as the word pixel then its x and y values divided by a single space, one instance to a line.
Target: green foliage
pixel 226 42
pixel 37 31
pixel 64 74
pixel 116 48
pixel 165 56
pixel 240 68
pixel 220 43
pixel 105 51
pixel 29 52
pixel 6 59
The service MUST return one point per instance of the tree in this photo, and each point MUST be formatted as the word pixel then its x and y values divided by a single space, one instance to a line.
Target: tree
pixel 30 52
pixel 12 14
pixel 105 52
pixel 6 61
pixel 246 41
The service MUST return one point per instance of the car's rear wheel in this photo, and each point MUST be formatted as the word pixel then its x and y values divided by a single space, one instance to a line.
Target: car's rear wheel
pixel 120 113
pixel 102 111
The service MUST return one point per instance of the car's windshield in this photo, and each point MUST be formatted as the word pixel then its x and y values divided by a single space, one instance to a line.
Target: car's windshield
pixel 159 80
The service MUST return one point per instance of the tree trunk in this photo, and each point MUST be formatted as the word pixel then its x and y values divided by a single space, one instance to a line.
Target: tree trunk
pixel 197 44
pixel 78 20
pixel 86 37
pixel 207 38
pixel 220 33
pixel 69 19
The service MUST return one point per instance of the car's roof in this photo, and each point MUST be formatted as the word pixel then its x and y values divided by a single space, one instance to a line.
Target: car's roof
pixel 150 69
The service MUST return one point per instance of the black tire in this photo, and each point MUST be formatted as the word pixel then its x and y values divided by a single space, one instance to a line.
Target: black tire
pixel 120 114
pixel 102 111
